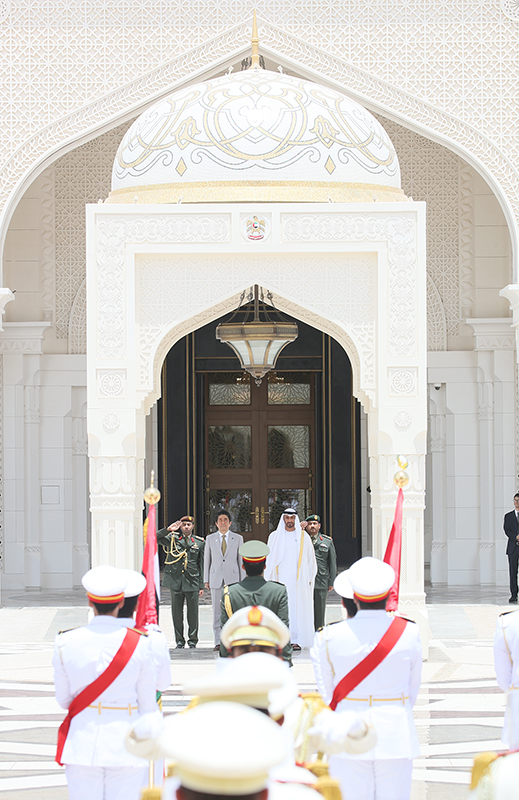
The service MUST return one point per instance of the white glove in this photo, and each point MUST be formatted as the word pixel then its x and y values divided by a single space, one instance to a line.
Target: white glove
pixel 334 733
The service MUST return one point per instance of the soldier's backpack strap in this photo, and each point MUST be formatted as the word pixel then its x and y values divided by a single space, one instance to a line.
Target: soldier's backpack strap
pixel 227 602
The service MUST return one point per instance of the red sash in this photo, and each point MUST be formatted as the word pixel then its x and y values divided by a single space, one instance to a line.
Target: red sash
pixel 368 664
pixel 93 690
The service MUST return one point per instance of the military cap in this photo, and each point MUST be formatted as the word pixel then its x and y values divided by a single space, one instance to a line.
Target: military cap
pixel 135 582
pixel 104 584
pixel 245 745
pixel 371 579
pixel 248 679
pixel 254 550
pixel 187 518
pixel 313 518
pixel 254 625
pixel 342 585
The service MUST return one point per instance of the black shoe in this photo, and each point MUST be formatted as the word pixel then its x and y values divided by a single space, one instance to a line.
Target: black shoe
pixel 513 599
pixel 216 648
pixel 296 647
pixel 180 646
pixel 192 646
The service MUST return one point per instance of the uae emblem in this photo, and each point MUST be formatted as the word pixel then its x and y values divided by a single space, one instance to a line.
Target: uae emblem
pixel 255 229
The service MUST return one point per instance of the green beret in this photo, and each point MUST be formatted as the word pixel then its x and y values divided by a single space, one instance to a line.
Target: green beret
pixel 254 550
pixel 313 518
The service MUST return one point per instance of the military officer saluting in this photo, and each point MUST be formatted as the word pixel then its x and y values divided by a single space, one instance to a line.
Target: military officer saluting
pixel 326 566
pixel 183 575
pixel 254 590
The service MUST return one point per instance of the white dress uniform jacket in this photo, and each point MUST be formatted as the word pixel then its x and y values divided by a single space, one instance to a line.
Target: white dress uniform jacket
pixel 96 735
pixel 219 569
pixel 506 663
pixel 386 697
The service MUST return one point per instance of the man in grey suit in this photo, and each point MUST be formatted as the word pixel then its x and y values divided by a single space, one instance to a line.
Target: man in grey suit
pixel 222 565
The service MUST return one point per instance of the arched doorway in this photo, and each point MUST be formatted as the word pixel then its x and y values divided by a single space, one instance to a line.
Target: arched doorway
pixel 294 440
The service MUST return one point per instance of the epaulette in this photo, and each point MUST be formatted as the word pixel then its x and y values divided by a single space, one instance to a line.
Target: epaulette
pixel 512 611
pixel 200 538
pixel 335 622
pixel 408 620
pixel 278 583
pixel 325 536
pixel 140 631
pixel 69 629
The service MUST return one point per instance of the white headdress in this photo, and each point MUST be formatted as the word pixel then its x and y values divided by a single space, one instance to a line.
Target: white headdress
pixel 277 544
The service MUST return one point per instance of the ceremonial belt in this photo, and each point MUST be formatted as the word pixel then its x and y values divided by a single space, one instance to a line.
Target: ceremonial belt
pixel 91 692
pixel 368 664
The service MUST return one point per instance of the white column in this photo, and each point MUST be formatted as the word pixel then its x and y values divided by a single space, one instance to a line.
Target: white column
pixel 487 556
pixel 116 492
pixel 32 473
pixel 81 551
pixel 438 483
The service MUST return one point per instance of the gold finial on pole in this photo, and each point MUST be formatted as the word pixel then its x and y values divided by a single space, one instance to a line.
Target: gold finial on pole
pixel 152 495
pixel 255 42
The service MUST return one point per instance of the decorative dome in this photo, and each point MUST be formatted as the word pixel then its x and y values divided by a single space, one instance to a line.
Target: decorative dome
pixel 256 135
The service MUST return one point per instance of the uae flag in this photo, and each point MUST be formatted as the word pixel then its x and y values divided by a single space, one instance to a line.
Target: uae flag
pixel 393 555
pixel 148 605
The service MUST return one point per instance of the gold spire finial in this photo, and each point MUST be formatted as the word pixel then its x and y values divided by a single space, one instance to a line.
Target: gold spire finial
pixel 152 495
pixel 255 42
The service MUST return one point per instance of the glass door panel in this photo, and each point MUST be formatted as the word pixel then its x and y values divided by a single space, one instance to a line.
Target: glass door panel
pixel 229 446
pixel 237 502
pixel 288 446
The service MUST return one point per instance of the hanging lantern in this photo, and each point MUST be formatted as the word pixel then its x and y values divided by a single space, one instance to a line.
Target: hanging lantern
pixel 259 341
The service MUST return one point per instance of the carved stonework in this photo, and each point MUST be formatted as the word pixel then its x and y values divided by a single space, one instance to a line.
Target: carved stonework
pixel 31 395
pixel 79 436
pixel 466 241
pixel 47 247
pixel 1 464
pixel 399 232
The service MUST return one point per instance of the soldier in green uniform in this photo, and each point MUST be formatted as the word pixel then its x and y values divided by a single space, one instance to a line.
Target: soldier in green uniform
pixel 254 590
pixel 183 576
pixel 326 566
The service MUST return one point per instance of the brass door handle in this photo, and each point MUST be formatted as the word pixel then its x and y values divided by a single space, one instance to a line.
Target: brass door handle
pixel 256 514
pixel 263 515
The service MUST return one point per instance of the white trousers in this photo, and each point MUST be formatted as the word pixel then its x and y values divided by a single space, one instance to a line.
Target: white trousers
pixel 216 599
pixel 105 783
pixel 384 779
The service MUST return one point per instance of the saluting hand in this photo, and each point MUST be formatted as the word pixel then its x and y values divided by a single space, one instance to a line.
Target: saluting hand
pixel 174 526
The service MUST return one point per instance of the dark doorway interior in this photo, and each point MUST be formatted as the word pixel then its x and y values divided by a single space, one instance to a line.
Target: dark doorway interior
pixel 226 443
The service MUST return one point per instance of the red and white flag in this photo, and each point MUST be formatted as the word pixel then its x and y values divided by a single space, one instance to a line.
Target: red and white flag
pixel 148 605
pixel 393 554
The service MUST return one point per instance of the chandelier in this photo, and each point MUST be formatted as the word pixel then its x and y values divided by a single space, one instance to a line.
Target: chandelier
pixel 258 341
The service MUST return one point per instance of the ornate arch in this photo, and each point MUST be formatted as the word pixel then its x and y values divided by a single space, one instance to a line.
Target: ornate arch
pixel 169 337
pixel 214 55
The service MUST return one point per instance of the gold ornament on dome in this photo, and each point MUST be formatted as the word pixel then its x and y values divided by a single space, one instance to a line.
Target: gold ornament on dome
pixel 401 478
pixel 152 495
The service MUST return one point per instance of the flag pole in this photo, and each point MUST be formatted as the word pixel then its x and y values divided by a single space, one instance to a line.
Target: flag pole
pixel 393 554
pixel 151 497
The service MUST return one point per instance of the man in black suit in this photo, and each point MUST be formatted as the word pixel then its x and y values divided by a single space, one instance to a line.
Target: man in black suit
pixel 511 528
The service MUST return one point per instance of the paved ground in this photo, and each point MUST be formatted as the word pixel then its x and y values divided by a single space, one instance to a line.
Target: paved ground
pixel 459 711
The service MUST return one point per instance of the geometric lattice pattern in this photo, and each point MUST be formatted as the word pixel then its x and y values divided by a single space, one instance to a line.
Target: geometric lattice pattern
pixel 82 176
pixel 430 172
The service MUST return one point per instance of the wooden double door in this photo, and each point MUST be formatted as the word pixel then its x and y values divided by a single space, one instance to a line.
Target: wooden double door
pixel 259 448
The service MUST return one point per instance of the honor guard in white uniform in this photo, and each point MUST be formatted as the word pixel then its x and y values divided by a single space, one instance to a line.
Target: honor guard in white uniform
pixel 383 689
pixel 105 677
pixel 506 663
pixel 135 585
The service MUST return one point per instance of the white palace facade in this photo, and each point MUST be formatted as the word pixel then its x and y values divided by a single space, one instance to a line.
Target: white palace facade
pixel 376 144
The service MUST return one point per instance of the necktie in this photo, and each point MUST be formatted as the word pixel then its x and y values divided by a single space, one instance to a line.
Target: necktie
pixel 224 545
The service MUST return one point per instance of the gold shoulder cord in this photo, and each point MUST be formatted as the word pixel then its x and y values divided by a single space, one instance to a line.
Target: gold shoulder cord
pixel 174 552
pixel 227 601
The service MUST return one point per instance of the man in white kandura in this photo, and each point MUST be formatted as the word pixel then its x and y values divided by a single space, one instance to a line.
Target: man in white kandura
pixel 104 675
pixel 292 561
pixel 383 687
